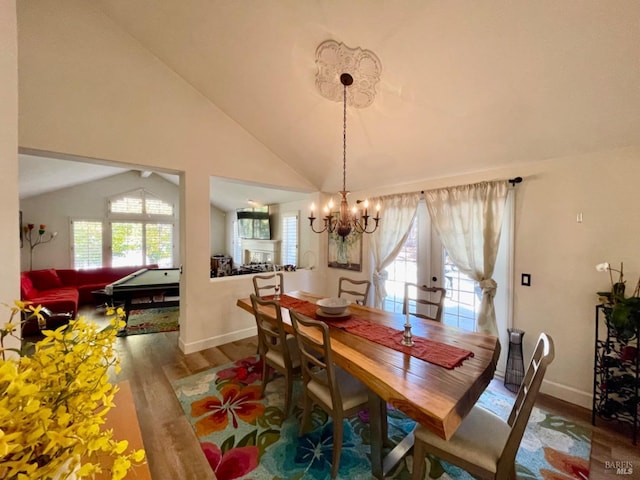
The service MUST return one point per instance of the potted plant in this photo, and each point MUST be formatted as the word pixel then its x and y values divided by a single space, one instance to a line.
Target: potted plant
pixel 622 313
pixel 54 396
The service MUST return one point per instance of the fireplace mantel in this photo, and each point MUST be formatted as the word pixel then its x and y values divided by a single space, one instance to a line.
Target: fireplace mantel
pixel 260 251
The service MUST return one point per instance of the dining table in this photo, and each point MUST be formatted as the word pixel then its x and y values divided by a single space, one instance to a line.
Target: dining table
pixel 435 382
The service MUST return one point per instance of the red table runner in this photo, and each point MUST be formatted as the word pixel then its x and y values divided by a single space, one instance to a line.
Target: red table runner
pixel 438 353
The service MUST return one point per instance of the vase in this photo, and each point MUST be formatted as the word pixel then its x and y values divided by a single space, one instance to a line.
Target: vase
pixel 343 254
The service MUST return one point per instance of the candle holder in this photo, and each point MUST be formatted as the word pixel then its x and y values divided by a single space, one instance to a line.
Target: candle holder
pixel 407 338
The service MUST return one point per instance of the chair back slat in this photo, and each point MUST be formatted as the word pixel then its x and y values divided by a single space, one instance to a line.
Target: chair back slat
pixel 271 333
pixel 357 290
pixel 423 298
pixel 316 357
pixel 264 285
pixel 543 355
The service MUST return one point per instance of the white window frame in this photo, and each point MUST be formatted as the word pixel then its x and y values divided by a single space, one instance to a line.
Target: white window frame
pixel 285 247
pixel 143 219
pixel 72 240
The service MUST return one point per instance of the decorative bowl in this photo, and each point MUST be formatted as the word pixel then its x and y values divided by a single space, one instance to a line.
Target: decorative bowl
pixel 333 306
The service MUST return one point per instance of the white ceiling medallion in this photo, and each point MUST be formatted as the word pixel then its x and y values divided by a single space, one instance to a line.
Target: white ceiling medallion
pixel 333 59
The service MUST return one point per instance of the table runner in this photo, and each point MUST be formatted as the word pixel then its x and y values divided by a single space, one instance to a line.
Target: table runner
pixel 438 353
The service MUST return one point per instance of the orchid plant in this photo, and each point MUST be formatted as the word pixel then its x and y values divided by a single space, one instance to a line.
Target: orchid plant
pixel 54 397
pixel 623 312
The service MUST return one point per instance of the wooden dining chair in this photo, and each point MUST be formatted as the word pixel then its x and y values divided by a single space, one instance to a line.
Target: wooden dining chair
pixel 264 285
pixel 276 349
pixel 357 290
pixel 419 299
pixel 326 385
pixel 485 445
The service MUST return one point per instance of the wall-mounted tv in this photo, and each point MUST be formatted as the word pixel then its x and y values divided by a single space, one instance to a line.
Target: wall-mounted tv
pixel 254 223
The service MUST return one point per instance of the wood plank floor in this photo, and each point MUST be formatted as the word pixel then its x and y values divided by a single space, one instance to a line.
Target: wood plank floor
pixel 150 362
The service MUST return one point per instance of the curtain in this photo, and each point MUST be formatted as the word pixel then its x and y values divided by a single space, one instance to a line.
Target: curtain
pixel 398 214
pixel 468 220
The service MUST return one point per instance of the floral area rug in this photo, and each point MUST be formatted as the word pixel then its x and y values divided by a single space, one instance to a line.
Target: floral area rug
pixel 244 436
pixel 152 320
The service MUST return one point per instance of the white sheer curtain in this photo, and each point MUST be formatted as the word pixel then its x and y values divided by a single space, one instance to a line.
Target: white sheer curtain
pixel 397 214
pixel 468 220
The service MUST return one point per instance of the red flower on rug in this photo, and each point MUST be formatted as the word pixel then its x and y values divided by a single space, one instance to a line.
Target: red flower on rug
pixel 232 464
pixel 247 371
pixel 238 402
pixel 569 466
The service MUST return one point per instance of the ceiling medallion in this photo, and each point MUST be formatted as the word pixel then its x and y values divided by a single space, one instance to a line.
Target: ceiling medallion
pixel 333 59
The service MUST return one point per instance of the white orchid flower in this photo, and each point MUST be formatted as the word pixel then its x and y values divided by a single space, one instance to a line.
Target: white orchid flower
pixel 603 267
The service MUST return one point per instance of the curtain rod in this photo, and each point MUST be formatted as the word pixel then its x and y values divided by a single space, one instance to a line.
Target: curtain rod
pixel 512 181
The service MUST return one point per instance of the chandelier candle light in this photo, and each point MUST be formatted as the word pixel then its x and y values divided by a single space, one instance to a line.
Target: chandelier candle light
pixel 35 240
pixel 348 220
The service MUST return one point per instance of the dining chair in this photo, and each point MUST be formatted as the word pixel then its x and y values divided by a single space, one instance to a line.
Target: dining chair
pixel 266 284
pixel 276 349
pixel 326 385
pixel 420 298
pixel 354 289
pixel 485 445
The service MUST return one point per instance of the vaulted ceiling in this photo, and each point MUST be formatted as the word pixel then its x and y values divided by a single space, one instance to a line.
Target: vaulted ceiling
pixel 465 86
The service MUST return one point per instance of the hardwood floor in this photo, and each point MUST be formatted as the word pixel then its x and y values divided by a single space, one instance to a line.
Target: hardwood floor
pixel 150 362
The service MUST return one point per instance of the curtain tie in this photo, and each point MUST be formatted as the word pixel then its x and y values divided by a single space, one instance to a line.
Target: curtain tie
pixel 489 287
pixel 378 276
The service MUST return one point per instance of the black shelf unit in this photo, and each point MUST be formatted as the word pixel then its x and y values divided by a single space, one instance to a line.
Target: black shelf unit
pixel 616 378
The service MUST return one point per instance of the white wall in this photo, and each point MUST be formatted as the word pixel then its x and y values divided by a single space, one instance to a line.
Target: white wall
pixel 88 202
pixel 218 232
pixel 9 233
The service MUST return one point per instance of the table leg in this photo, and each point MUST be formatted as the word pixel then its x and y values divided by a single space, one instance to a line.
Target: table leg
pixel 382 465
pixel 377 408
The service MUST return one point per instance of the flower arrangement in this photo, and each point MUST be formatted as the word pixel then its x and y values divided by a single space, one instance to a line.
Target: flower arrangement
pixel 623 312
pixel 54 396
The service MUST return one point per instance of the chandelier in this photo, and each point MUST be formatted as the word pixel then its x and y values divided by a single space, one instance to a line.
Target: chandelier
pixel 348 220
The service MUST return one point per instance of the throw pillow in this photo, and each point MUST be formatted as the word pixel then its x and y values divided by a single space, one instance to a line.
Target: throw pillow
pixel 45 279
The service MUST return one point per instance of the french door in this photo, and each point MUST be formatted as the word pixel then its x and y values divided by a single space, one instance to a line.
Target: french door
pixel 423 260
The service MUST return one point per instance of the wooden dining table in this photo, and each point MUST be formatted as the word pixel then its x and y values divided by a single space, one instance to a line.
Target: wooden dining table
pixel 437 397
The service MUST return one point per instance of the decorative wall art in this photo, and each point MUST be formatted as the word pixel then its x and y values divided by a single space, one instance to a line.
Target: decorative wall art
pixel 345 253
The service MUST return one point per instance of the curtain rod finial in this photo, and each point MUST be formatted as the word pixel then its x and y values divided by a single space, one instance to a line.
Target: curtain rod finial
pixel 515 180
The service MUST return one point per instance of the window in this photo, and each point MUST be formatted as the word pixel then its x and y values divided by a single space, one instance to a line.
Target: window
pixel 403 269
pixel 86 238
pixel 290 239
pixel 254 223
pixel 142 230
pixel 237 245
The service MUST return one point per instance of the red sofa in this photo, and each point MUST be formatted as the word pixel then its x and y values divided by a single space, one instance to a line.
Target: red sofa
pixel 63 290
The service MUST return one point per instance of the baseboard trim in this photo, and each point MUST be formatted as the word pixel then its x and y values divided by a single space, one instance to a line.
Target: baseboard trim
pixel 568 394
pixel 211 342
pixel 562 392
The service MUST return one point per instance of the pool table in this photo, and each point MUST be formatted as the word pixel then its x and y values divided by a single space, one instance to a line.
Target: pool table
pixel 146 288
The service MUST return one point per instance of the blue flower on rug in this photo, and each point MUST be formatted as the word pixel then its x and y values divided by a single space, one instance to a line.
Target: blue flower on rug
pixel 311 455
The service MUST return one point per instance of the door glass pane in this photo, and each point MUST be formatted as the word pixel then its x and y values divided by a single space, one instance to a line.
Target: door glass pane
pixel 463 297
pixel 403 269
